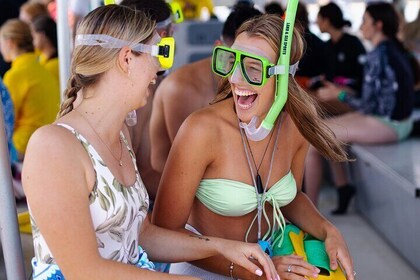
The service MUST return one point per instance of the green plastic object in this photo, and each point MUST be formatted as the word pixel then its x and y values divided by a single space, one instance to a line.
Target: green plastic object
pixel 282 84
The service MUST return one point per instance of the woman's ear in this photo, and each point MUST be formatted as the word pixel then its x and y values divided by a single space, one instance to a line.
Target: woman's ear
pixel 124 59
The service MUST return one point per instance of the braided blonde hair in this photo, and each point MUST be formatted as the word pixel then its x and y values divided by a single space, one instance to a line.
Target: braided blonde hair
pixel 90 62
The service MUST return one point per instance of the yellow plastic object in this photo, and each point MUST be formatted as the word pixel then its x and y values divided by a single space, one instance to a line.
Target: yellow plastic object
pixel 24 222
pixel 108 2
pixel 166 56
pixel 178 15
pixel 299 249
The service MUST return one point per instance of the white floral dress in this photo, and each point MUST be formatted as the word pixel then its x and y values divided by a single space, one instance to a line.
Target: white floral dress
pixel 117 214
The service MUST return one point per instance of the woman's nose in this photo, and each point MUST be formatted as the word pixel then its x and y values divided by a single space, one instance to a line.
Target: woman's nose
pixel 236 76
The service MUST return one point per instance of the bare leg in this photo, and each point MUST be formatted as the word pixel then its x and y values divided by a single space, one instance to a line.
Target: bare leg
pixel 355 128
pixel 349 128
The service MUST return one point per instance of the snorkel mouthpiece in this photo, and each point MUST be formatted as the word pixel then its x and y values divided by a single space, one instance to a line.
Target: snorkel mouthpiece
pixel 254 133
pixel 251 130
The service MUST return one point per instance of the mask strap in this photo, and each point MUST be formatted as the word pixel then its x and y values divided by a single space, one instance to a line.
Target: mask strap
pixel 164 23
pixel 103 40
pixel 280 69
pixel 106 41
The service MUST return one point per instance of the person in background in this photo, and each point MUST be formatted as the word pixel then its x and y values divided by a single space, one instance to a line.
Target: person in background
pixel 9 120
pixel 186 90
pixel 382 113
pixel 90 218
pixel 274 8
pixel 30 10
pixel 77 9
pixel 346 55
pixel 193 9
pixel 228 186
pixel 34 91
pixel 411 38
pixel 44 33
pixel 311 68
pixel 9 9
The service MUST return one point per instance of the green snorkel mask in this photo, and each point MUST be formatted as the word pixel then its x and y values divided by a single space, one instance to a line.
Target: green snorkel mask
pixel 257 134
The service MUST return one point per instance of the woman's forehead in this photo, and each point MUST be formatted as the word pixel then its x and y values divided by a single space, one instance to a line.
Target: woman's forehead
pixel 254 45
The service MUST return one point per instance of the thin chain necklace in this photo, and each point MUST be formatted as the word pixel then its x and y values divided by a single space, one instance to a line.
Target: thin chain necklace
pixel 119 158
pixel 258 180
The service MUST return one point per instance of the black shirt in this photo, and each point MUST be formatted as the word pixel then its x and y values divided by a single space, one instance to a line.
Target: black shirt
pixel 345 60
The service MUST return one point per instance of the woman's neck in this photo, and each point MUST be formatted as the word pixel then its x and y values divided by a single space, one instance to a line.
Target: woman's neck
pixel 336 34
pixel 378 38
pixel 15 53
pixel 49 52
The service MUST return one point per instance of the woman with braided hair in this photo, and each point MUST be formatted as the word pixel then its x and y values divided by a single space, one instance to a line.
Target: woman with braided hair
pixel 87 202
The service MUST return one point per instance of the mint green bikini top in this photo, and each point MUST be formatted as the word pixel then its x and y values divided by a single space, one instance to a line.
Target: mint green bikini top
pixel 232 198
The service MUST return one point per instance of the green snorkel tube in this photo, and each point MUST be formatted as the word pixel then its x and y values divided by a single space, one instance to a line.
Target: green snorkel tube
pixel 257 134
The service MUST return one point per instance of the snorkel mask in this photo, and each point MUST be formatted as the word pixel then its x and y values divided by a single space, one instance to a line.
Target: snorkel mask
pixel 225 61
pixel 164 50
pixel 176 16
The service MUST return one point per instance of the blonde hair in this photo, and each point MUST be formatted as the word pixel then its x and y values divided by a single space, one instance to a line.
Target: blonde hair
pixel 34 9
pixel 300 105
pixel 19 32
pixel 90 62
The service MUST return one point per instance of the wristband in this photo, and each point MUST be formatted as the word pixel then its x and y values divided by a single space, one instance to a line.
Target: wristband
pixel 342 95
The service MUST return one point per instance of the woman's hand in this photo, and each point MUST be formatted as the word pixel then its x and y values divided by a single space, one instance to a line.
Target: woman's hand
pixel 338 252
pixel 328 92
pixel 242 254
pixel 293 267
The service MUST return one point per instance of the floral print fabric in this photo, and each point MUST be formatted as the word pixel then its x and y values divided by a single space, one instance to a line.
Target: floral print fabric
pixel 117 213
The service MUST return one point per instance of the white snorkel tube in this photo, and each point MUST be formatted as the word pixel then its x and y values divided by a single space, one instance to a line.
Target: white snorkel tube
pixel 257 134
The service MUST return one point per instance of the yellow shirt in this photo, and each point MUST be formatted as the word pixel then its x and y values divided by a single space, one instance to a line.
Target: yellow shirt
pixel 51 65
pixel 192 8
pixel 35 95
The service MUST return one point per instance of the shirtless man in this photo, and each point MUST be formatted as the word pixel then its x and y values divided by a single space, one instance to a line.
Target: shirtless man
pixel 159 11
pixel 188 89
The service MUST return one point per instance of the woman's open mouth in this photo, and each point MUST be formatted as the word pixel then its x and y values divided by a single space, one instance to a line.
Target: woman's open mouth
pixel 245 98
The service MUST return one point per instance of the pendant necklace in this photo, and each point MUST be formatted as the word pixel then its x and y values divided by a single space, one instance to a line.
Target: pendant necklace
pixel 259 188
pixel 119 158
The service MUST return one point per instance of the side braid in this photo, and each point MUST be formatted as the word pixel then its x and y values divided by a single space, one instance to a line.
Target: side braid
pixel 73 86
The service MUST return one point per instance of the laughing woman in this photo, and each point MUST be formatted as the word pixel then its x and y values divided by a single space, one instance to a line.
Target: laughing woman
pixel 220 180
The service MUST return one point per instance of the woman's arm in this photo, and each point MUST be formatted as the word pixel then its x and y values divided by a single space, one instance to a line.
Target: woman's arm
pixel 55 182
pixel 303 213
pixel 171 246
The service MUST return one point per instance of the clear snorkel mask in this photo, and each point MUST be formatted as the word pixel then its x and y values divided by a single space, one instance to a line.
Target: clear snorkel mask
pixel 281 70
pixel 164 50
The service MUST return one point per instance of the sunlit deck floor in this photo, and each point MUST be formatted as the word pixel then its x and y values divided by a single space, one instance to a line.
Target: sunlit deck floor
pixel 374 259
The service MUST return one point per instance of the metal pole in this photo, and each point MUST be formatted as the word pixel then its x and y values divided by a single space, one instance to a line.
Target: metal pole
pixel 10 237
pixel 64 43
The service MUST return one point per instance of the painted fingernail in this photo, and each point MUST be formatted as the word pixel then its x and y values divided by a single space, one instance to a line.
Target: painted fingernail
pixel 315 275
pixel 259 272
pixel 278 277
pixel 317 270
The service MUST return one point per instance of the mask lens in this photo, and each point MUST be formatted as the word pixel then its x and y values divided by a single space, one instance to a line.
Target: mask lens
pixel 223 62
pixel 253 70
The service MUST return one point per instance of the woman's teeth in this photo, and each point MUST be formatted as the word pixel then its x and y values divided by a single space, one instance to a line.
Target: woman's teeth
pixel 245 98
